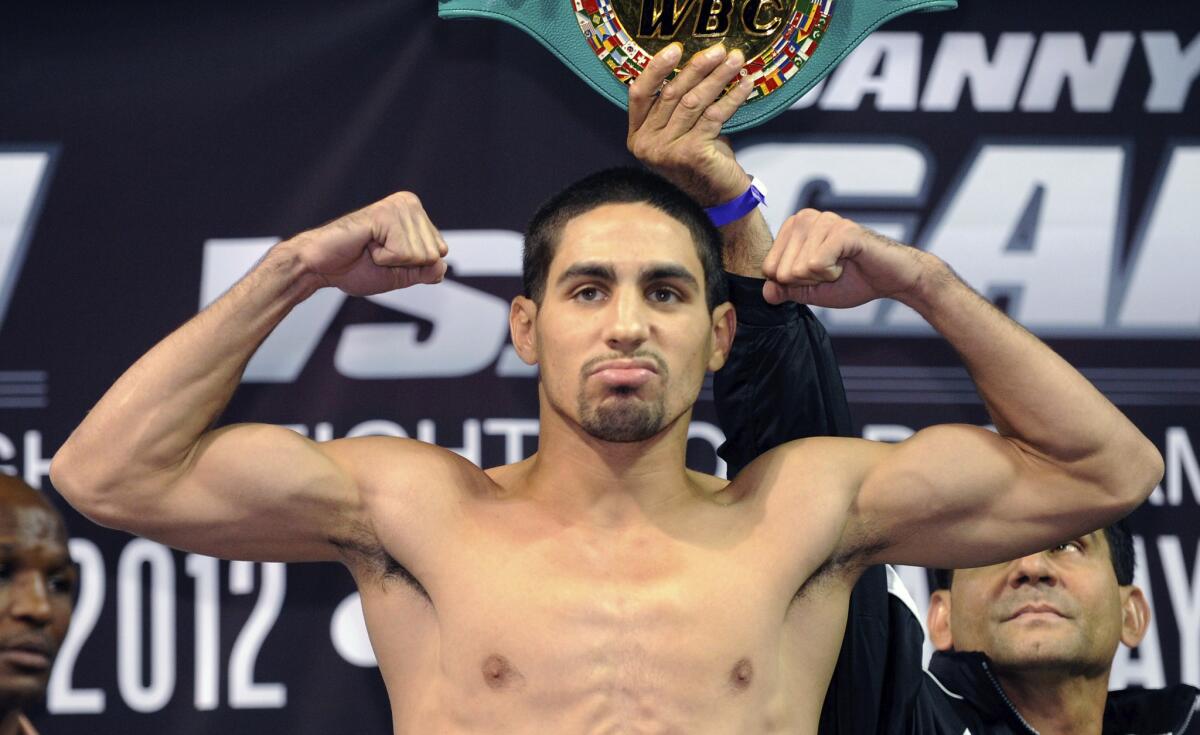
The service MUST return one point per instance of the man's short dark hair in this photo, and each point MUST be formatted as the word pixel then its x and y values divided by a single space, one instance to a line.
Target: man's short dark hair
pixel 1120 552
pixel 620 186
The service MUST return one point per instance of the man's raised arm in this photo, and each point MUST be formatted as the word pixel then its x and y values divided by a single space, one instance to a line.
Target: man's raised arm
pixel 781 381
pixel 145 459
pixel 1064 460
pixel 675 128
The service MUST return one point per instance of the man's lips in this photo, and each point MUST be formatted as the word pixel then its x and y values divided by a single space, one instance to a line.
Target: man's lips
pixel 29 653
pixel 628 372
pixel 1035 609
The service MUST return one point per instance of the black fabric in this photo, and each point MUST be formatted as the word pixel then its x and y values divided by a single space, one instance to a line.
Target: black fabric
pixel 1146 711
pixel 978 705
pixel 782 383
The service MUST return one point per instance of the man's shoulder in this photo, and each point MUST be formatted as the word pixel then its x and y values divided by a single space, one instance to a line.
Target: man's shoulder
pixel 384 447
pixel 813 463
pixel 385 461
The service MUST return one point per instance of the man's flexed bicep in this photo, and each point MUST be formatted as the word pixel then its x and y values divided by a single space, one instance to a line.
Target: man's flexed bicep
pixel 1065 461
pixel 144 458
pixel 247 491
pixel 266 493
pixel 951 496
pixel 956 496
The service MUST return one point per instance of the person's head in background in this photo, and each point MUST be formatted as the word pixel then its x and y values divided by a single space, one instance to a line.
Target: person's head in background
pixel 1059 613
pixel 37 589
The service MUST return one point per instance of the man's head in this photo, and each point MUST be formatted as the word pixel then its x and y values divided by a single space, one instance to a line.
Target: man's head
pixel 619 186
pixel 624 307
pixel 37 587
pixel 1064 609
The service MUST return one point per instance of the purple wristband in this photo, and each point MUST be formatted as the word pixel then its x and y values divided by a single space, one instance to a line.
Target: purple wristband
pixel 731 211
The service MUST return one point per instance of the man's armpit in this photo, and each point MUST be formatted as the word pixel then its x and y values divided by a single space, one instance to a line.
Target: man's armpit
pixel 361 550
pixel 845 565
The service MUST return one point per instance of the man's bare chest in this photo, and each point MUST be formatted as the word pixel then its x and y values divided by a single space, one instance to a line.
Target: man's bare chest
pixel 588 607
pixel 612 624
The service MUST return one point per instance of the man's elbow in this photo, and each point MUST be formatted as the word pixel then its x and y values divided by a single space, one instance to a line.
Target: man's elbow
pixel 1138 470
pixel 86 486
pixel 1153 468
pixel 68 475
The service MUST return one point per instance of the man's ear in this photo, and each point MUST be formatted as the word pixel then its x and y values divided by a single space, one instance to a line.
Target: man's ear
pixel 724 321
pixel 1135 615
pixel 522 326
pixel 938 620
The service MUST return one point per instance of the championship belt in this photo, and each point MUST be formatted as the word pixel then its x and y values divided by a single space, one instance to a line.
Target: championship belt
pixel 789 45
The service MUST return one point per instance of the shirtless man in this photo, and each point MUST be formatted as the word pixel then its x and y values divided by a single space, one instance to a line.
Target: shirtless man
pixel 600 586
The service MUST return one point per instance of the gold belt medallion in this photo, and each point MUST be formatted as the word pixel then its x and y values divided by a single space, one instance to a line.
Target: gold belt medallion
pixel 777 37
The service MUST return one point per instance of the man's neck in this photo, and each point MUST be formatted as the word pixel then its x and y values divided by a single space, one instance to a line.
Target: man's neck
pixel 1055 703
pixel 608 483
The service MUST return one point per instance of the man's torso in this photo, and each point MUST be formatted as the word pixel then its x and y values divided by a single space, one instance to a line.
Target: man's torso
pixel 512 619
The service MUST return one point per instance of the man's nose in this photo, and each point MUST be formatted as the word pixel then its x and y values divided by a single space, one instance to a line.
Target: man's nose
pixel 628 327
pixel 1033 569
pixel 30 598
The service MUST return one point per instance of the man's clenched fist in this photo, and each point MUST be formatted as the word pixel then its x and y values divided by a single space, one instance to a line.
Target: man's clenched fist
pixel 822 259
pixel 388 245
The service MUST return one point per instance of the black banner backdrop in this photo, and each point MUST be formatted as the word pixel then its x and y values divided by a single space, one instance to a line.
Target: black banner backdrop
pixel 150 152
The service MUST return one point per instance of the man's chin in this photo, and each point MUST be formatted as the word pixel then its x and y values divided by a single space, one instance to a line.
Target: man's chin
pixel 22 686
pixel 634 421
pixel 1034 651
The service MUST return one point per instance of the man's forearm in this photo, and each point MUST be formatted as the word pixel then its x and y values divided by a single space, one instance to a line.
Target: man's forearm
pixel 1032 394
pixel 747 242
pixel 152 417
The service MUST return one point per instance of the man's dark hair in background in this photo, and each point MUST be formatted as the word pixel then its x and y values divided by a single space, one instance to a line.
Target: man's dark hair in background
pixel 620 186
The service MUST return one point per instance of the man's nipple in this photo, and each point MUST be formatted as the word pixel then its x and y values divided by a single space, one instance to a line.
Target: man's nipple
pixel 742 674
pixel 501 675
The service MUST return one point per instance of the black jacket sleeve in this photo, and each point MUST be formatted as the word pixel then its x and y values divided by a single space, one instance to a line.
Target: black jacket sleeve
pixel 782 382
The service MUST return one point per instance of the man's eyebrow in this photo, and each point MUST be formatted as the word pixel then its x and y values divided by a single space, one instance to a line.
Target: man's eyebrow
pixel 668 271
pixel 599 271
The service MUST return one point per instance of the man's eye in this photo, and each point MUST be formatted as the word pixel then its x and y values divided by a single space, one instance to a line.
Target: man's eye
pixel 588 293
pixel 1068 546
pixel 61 583
pixel 664 296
